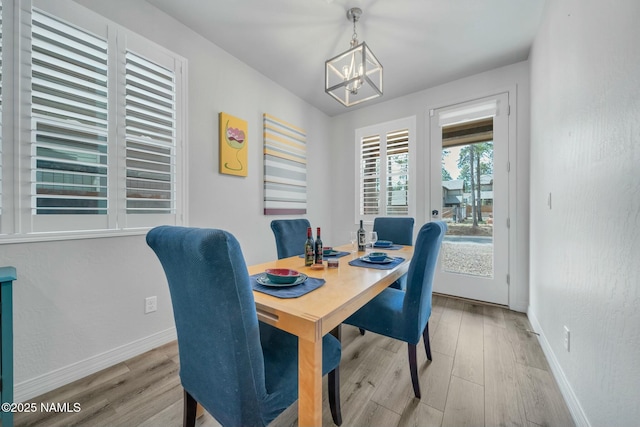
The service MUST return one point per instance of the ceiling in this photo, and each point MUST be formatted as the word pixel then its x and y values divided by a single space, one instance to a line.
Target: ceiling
pixel 420 43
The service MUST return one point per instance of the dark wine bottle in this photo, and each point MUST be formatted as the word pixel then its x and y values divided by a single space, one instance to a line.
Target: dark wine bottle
pixel 308 248
pixel 362 238
pixel 318 248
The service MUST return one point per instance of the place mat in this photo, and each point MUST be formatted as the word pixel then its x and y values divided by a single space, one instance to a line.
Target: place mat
pixel 391 247
pixel 340 254
pixel 360 263
pixel 296 291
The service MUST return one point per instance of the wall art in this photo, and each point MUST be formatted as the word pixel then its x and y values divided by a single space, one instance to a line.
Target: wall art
pixel 285 168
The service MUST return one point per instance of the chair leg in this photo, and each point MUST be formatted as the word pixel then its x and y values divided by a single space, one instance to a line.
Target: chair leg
pixel 337 332
pixel 189 412
pixel 361 331
pixel 413 367
pixel 334 395
pixel 425 338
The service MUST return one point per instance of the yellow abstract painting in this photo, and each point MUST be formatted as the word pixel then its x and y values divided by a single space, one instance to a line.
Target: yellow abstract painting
pixel 233 145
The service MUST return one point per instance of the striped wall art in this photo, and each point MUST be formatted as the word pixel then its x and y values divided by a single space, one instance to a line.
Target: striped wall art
pixel 285 168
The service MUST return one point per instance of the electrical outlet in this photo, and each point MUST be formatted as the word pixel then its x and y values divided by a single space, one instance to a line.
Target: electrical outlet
pixel 150 304
pixel 567 336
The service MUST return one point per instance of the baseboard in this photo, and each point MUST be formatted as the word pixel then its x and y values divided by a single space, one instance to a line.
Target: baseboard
pixel 577 413
pixel 36 386
pixel 520 307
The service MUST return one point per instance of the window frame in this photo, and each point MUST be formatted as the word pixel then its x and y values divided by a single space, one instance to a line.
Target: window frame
pixel 17 222
pixel 382 130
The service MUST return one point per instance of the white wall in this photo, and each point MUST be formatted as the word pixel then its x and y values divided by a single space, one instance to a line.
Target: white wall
pixel 513 78
pixel 585 151
pixel 78 304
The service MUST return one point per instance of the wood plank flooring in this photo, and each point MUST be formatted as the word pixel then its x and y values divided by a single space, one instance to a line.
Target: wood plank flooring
pixel 487 370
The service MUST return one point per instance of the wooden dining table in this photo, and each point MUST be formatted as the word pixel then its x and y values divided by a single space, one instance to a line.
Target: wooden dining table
pixel 313 315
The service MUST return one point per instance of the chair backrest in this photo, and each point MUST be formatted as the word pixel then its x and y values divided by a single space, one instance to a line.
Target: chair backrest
pixel 221 359
pixel 417 301
pixel 397 230
pixel 290 236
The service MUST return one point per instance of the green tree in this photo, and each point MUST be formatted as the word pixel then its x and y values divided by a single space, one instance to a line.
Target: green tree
pixel 446 176
pixel 475 160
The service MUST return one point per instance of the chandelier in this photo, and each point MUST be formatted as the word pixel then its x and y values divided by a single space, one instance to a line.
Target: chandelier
pixel 355 75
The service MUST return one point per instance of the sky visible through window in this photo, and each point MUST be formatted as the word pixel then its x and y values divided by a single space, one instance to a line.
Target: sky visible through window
pixel 451 161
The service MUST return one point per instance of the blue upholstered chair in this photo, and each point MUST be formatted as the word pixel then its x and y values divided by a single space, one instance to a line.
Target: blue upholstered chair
pixel 242 371
pixel 404 315
pixel 398 231
pixel 290 236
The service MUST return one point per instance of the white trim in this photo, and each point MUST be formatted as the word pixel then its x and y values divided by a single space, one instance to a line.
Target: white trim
pixel 71 235
pixel 518 292
pixel 63 376
pixel 570 398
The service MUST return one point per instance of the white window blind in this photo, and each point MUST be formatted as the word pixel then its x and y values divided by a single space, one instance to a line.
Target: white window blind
pixel 69 120
pixel 370 175
pixel 468 114
pixel 397 179
pixel 384 173
pixel 150 137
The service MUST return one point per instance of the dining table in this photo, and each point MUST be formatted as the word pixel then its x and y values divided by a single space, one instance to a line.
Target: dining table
pixel 346 288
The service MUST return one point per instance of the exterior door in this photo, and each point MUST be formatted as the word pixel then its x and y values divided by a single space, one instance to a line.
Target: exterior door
pixel 469 191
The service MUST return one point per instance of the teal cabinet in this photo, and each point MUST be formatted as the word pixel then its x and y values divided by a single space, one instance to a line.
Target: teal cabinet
pixel 7 276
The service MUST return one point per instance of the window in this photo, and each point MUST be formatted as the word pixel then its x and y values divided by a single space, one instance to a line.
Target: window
pixel 102 127
pixel 385 176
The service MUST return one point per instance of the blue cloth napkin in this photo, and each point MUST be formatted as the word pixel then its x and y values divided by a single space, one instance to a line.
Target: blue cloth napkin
pixel 287 291
pixel 390 247
pixel 360 263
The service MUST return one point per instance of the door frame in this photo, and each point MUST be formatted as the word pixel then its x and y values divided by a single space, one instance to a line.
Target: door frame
pixel 514 264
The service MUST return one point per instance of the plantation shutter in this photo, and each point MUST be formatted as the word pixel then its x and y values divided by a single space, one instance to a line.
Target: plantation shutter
pixel 384 174
pixel 99 149
pixel 150 137
pixel 370 175
pixel 397 179
pixel 69 120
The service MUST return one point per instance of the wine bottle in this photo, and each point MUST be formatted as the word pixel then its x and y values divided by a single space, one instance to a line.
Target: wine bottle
pixel 308 248
pixel 362 238
pixel 318 248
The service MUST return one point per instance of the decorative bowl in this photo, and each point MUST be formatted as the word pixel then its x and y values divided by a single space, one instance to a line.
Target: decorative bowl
pixel 282 275
pixel 377 256
pixel 383 243
pixel 327 250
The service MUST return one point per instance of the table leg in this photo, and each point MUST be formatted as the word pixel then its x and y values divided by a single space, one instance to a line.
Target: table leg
pixel 309 383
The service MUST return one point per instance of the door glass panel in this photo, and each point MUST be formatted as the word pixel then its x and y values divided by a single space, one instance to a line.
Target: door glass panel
pixel 467 198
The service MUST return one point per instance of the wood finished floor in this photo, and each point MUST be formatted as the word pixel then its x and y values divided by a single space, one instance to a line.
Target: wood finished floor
pixel 487 370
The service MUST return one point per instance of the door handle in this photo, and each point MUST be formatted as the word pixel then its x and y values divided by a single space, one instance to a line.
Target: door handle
pixel 434 213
